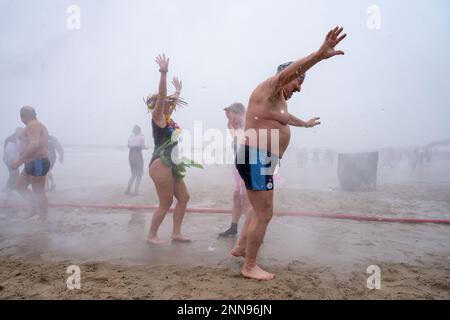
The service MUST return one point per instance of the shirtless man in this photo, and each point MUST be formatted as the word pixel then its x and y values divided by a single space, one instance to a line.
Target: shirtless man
pixel 256 159
pixel 34 154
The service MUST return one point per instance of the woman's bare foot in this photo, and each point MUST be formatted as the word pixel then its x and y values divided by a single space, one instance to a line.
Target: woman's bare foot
pixel 257 273
pixel 238 251
pixel 180 238
pixel 154 240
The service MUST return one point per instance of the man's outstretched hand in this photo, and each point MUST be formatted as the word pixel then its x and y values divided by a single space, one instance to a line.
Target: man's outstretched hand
pixel 327 50
pixel 312 123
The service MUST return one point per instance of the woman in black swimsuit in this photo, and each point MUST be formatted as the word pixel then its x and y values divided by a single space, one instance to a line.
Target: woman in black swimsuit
pixel 168 182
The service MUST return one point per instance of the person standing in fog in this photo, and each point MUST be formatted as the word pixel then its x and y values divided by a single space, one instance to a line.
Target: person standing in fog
pixel 11 149
pixel 257 158
pixel 235 114
pixel 34 154
pixel 136 143
pixel 167 175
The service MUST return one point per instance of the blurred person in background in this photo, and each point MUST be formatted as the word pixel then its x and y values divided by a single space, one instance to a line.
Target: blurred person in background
pixel 136 143
pixel 55 151
pixel 11 153
pixel 34 155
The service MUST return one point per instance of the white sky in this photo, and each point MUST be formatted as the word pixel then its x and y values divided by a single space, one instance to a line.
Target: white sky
pixel 390 89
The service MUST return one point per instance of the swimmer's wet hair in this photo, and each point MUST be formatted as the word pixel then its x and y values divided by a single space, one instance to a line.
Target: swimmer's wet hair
pixel 283 66
pixel 172 101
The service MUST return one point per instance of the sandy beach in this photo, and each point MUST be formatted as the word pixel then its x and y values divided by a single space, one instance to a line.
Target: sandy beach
pixel 313 258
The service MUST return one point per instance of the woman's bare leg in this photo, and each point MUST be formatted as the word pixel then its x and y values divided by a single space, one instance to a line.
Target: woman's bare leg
pixel 182 195
pixel 163 180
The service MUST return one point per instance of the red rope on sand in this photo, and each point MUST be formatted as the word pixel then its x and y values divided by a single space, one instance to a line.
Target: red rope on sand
pixel 221 210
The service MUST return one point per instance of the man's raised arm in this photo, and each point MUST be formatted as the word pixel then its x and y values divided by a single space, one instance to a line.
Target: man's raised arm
pixel 299 67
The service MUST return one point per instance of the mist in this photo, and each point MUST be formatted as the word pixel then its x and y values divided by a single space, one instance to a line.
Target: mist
pixel 381 151
pixel 87 85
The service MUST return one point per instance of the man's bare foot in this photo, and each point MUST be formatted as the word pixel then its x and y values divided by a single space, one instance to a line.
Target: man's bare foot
pixel 180 238
pixel 238 252
pixel 257 273
pixel 154 240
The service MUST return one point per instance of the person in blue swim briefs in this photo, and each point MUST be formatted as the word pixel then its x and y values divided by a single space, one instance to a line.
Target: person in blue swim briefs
pixel 266 138
pixel 34 155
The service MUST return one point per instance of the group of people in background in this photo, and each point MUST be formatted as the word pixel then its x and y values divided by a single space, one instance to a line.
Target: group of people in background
pixel 34 149
pixel 255 160
pixel 11 154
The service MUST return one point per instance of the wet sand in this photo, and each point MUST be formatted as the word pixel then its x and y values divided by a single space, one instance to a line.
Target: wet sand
pixel 296 280
pixel 313 258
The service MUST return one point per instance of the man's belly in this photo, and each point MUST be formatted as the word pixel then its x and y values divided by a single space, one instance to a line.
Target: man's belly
pixel 285 138
pixel 276 140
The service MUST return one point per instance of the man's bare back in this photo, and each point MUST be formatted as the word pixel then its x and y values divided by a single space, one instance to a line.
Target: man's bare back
pixel 34 142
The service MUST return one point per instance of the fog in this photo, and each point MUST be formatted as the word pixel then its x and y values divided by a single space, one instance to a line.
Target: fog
pixel 384 108
pixel 87 85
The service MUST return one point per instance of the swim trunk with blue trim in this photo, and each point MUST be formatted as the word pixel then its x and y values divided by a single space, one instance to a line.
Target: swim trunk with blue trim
pixel 256 168
pixel 38 168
